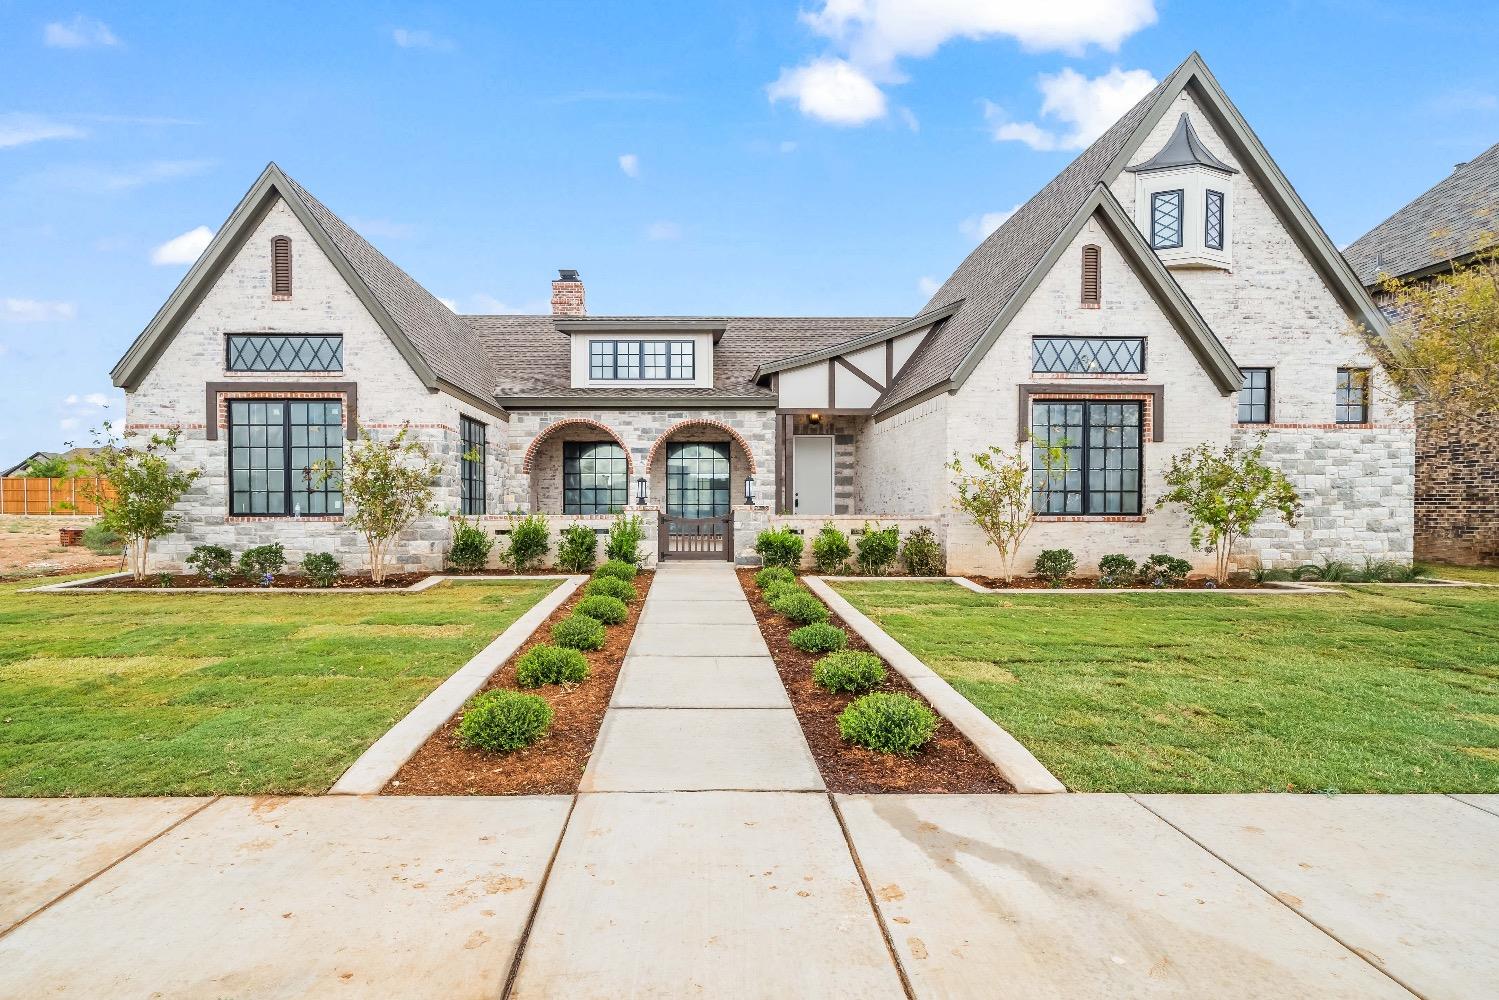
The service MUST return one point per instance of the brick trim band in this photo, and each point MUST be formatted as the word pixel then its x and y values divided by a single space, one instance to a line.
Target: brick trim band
pixel 1095 390
pixel 309 390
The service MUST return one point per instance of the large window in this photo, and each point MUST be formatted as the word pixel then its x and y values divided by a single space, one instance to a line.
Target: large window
pixel 1353 396
pixel 285 352
pixel 472 473
pixel 1085 457
pixel 595 477
pixel 1088 355
pixel 277 448
pixel 1166 219
pixel 697 479
pixel 1254 396
pixel 640 359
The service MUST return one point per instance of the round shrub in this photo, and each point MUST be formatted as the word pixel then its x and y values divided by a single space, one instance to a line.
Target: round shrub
pixel 213 562
pixel 830 549
pixel 262 561
pixel 609 610
pixel 878 548
pixel 819 637
pixel 800 609
pixel 1117 567
pixel 849 670
pixel 618 569
pixel 321 568
pixel 577 549
pixel 610 586
pixel 471 545
pixel 774 574
pixel 921 553
pixel 1055 565
pixel 550 665
pixel 503 721
pixel 578 631
pixel 782 547
pixel 889 723
pixel 776 591
pixel 1161 570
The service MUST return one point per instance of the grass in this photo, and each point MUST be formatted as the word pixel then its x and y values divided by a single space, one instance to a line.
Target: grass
pixel 157 694
pixel 1472 574
pixel 1376 689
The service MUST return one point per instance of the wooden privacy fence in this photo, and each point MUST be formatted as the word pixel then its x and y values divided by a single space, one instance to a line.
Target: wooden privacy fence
pixel 26 495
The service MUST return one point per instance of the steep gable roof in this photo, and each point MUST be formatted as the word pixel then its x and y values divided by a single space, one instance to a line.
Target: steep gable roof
pixel 429 336
pixel 1004 266
pixel 1458 215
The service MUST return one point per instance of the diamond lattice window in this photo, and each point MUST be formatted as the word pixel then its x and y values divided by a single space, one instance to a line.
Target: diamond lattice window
pixel 1212 230
pixel 261 352
pixel 1166 219
pixel 1088 355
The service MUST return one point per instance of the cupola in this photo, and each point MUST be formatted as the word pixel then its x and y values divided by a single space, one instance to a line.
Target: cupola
pixel 1184 201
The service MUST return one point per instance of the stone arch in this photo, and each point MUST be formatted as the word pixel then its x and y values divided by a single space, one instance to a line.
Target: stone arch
pixel 718 425
pixel 567 422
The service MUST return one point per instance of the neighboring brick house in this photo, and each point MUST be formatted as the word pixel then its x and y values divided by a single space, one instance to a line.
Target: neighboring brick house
pixel 1457 459
pixel 1167 289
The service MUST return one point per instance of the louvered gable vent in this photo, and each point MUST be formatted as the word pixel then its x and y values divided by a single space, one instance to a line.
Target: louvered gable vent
pixel 281 267
pixel 1092 287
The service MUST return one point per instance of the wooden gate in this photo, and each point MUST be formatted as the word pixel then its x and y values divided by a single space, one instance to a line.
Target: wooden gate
pixel 696 537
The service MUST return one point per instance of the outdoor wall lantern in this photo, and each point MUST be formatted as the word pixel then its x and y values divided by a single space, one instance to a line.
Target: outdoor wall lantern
pixel 640 494
pixel 814 418
pixel 749 490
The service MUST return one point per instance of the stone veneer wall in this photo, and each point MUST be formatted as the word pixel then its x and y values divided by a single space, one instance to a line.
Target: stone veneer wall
pixel 1457 490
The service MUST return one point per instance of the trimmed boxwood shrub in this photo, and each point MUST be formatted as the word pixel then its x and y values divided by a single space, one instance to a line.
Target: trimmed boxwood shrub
pixel 578 549
pixel 801 609
pixel 1117 568
pixel 214 562
pixel 1164 571
pixel 849 670
pixel 471 545
pixel 1055 565
pixel 776 591
pixel 619 570
pixel 889 723
pixel 782 547
pixel 578 631
pixel 609 610
pixel 610 586
pixel 774 574
pixel 503 721
pixel 321 568
pixel 830 549
pixel 262 561
pixel 819 637
pixel 550 665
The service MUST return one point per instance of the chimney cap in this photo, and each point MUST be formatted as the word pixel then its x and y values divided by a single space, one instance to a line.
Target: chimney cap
pixel 567 274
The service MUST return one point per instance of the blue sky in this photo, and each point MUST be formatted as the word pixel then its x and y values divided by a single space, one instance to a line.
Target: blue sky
pixel 834 157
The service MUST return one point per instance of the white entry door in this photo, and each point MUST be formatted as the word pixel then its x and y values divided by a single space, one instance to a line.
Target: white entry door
pixel 812 474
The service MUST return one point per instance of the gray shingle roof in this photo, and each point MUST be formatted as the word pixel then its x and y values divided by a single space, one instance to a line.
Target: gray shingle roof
pixel 996 269
pixel 532 357
pixel 1458 215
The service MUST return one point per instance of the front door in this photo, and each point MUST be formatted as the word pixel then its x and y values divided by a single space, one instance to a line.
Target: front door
pixel 812 474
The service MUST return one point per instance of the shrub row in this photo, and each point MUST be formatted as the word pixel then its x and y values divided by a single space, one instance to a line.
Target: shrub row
pixel 259 565
pixel 1056 566
pixel 531 540
pixel 872 554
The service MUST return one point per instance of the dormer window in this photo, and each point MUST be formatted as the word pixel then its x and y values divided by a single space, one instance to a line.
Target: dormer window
pixel 1183 201
pixel 281 267
pixel 641 359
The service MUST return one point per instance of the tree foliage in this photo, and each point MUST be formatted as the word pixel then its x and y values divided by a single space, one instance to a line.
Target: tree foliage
pixel 1224 493
pixel 995 490
pixel 52 467
pixel 135 486
pixel 386 485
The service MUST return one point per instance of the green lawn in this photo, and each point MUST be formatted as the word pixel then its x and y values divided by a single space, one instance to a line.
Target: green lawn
pixel 156 694
pixel 1474 574
pixel 1375 689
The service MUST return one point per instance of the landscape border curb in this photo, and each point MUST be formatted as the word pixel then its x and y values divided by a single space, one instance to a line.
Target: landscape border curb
pixel 80 586
pixel 377 765
pixel 1018 765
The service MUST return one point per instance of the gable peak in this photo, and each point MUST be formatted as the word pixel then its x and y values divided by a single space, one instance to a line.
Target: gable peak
pixel 1183 149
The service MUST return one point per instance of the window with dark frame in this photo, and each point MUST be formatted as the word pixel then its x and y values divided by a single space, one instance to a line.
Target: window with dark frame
pixel 1092 280
pixel 1088 355
pixel 1254 396
pixel 280 267
pixel 1353 396
pixel 595 477
pixel 284 352
pixel 1098 446
pixel 471 432
pixel 277 448
pixel 1213 222
pixel 641 359
pixel 697 479
pixel 1166 219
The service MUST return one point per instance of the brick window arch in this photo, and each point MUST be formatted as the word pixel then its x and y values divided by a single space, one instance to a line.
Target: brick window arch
pixel 546 432
pixel 717 425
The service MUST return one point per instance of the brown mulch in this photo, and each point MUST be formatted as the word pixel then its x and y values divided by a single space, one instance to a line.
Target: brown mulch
pixel 554 764
pixel 949 763
pixel 284 581
pixel 1091 583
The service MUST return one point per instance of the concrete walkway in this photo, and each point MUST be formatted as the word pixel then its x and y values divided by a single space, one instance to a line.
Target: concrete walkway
pixel 703 860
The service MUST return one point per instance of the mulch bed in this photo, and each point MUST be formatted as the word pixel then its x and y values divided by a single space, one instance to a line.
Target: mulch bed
pixel 286 581
pixel 1091 583
pixel 554 764
pixel 949 763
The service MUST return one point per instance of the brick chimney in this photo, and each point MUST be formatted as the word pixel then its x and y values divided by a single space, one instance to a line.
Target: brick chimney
pixel 567 294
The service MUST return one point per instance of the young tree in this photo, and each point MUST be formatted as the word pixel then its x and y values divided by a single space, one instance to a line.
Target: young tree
pixel 1225 493
pixel 386 485
pixel 54 467
pixel 135 487
pixel 997 495
pixel 1449 330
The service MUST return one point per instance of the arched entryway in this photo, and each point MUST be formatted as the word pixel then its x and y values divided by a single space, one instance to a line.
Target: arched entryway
pixel 578 466
pixel 697 471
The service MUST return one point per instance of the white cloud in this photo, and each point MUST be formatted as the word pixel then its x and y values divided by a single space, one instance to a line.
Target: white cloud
pixel 663 230
pixel 870 37
pixel 927 285
pixel 36 310
pixel 96 399
pixel 978 227
pixel 452 304
pixel 1082 108
pixel 67 424
pixel 412 38
pixel 79 33
pixel 102 180
pixel 630 164
pixel 17 129
pixel 830 90
pixel 183 249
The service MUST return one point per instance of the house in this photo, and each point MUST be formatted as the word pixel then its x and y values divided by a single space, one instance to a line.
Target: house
pixel 19 469
pixel 1168 288
pixel 1457 460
